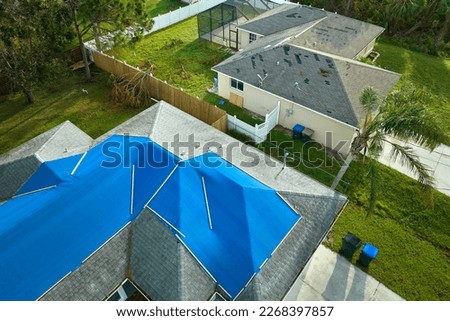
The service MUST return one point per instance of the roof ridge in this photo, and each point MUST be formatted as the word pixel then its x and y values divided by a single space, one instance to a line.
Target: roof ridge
pixel 59 127
pixel 268 13
pixel 345 59
pixel 351 18
pixel 158 111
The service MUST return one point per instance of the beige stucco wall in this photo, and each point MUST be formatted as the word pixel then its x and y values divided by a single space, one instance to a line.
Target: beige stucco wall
pixel 367 50
pixel 243 37
pixel 262 102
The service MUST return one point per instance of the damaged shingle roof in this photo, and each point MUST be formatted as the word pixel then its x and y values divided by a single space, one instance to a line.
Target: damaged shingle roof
pixel 316 29
pixel 324 83
pixel 282 18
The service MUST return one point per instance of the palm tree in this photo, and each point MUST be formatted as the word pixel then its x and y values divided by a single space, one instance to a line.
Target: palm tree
pixel 401 115
pixel 400 12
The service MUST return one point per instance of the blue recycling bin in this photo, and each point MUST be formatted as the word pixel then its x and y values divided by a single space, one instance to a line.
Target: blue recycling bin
pixel 350 243
pixel 297 131
pixel 368 254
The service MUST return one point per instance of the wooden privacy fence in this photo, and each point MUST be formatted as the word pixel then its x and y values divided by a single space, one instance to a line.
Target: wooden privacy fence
pixel 160 90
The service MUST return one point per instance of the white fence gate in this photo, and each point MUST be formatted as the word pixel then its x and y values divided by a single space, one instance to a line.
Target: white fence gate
pixel 258 132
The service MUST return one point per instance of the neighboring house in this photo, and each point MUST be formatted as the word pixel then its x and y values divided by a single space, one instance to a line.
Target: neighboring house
pixel 313 28
pixel 309 27
pixel 180 224
pixel 306 59
pixel 319 91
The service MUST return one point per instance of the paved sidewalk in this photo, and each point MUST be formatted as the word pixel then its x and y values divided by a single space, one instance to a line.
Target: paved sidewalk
pixel 330 277
pixel 438 161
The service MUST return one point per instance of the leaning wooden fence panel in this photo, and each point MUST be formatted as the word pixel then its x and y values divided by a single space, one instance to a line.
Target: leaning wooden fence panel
pixel 160 90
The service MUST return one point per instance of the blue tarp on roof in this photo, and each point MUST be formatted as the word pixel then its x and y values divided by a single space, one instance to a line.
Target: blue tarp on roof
pixel 49 174
pixel 249 219
pixel 45 235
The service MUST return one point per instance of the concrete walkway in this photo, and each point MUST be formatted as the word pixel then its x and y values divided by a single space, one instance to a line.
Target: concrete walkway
pixel 438 161
pixel 330 277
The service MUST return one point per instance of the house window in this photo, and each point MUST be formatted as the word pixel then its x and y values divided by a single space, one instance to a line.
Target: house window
pixel 239 85
pixel 251 37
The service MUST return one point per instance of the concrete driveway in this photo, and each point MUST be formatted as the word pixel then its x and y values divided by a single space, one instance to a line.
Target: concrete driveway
pixel 438 161
pixel 330 277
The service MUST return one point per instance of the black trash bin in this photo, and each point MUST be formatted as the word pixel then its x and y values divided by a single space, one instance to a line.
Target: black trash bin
pixel 368 253
pixel 350 243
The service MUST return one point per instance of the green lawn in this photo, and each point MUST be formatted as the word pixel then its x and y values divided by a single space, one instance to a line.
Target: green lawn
pixel 410 227
pixel 154 8
pixel 177 56
pixel 94 113
pixel 429 73
pixel 309 158
pixel 158 7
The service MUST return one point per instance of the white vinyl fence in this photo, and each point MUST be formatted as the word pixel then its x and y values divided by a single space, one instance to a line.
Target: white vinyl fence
pixel 172 17
pixel 258 132
pixel 161 21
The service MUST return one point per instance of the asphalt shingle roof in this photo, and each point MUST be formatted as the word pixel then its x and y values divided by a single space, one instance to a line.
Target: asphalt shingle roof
pixel 339 35
pixel 162 266
pixel 324 83
pixel 296 74
pixel 282 18
pixel 316 29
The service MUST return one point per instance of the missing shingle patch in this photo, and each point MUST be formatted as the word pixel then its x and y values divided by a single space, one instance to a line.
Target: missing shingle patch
pixel 288 62
pixel 325 72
